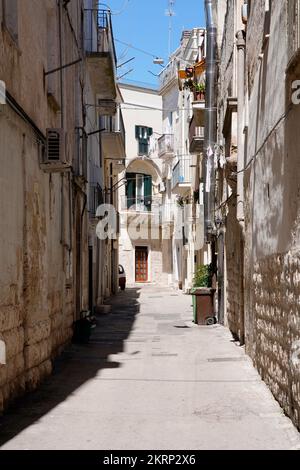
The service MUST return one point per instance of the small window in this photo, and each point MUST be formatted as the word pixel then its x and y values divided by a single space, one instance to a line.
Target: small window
pixel 143 135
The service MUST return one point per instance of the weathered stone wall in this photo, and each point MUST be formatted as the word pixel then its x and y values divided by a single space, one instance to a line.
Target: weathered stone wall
pixel 231 268
pixel 272 242
pixel 234 274
pixel 276 293
pixel 37 255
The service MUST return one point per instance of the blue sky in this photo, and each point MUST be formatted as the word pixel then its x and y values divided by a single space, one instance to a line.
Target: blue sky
pixel 143 24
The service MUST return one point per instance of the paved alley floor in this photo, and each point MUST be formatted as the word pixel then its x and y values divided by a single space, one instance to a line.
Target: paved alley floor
pixel 151 379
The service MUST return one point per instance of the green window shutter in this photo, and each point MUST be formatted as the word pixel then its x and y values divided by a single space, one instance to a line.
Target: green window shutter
pixel 148 191
pixel 130 189
pixel 142 135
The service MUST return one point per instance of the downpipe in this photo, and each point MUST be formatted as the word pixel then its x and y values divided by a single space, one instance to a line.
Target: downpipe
pixel 241 45
pixel 210 135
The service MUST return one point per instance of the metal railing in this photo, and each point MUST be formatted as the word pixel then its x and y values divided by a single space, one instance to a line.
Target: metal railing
pixel 154 206
pixel 182 172
pixel 98 32
pixel 166 144
pixel 139 204
pixel 196 131
pixel 168 74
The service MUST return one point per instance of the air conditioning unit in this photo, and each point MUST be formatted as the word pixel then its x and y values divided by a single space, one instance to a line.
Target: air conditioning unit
pixel 54 158
pixel 162 187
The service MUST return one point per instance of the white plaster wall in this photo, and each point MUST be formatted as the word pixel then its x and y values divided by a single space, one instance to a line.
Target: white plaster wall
pixel 136 100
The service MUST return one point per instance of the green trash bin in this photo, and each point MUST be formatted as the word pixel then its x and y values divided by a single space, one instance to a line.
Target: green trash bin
pixel 193 292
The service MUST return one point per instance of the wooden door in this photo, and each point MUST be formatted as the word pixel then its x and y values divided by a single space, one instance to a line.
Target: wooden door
pixel 141 264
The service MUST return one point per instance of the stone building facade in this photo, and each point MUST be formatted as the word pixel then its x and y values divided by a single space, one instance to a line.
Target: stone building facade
pixel 257 122
pixel 44 282
pixel 181 147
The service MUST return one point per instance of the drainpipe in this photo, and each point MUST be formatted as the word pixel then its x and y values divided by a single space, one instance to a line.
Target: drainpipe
pixel 62 208
pixel 210 136
pixel 241 46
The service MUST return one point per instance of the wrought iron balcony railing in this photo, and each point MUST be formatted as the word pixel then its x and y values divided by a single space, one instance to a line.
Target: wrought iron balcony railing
pixel 98 33
pixel 182 172
pixel 166 145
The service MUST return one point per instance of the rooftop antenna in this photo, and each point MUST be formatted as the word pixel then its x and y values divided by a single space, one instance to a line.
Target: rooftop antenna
pixel 170 13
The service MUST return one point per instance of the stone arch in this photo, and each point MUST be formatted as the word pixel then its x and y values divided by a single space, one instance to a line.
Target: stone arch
pixel 145 165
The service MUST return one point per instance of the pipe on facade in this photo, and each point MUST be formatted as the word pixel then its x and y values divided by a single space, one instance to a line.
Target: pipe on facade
pixel 210 136
pixel 62 206
pixel 241 46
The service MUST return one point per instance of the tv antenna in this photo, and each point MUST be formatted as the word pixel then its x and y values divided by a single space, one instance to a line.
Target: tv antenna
pixel 170 13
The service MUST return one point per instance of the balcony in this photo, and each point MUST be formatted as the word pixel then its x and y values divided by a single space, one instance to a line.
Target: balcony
pixel 182 178
pixel 166 146
pixel 142 209
pixel 113 136
pixel 199 112
pixel 196 138
pixel 100 52
pixel 169 74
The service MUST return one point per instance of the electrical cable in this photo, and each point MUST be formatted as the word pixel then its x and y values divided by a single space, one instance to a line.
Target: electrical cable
pixel 124 8
pixel 283 116
pixel 137 49
pixel 157 56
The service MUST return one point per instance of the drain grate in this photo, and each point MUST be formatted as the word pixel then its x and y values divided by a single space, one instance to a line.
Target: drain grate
pixel 227 359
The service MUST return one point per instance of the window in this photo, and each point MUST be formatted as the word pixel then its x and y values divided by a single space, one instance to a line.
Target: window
pixel 143 134
pixel 139 191
pixel 10 17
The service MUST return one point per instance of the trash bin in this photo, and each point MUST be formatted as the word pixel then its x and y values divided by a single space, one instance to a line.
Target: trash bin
pixel 203 306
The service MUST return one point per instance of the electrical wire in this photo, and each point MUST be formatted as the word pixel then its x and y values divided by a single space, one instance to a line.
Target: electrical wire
pixel 124 8
pixel 282 117
pixel 156 56
pixel 137 49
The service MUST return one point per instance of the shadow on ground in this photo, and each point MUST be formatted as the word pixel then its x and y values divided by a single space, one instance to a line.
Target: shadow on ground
pixel 78 364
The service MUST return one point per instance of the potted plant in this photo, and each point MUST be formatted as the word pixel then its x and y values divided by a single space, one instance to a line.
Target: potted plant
pixel 203 276
pixel 199 91
pixel 203 296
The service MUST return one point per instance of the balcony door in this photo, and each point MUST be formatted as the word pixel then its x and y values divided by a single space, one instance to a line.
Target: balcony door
pixel 139 192
pixel 141 264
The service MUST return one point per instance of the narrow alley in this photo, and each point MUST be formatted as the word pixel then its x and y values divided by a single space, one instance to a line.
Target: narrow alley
pixel 150 378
